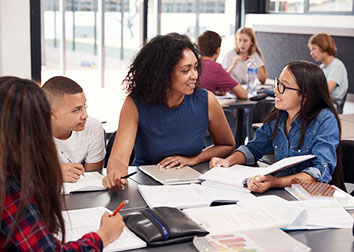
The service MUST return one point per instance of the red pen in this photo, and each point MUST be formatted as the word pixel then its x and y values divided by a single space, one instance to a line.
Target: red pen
pixel 121 205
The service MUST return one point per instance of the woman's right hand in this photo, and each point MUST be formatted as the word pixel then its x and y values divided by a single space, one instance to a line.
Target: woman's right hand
pixel 111 228
pixel 218 162
pixel 113 181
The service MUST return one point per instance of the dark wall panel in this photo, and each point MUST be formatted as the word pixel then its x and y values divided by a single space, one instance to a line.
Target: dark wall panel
pixel 280 48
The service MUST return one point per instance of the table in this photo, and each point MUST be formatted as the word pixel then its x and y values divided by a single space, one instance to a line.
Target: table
pixel 318 240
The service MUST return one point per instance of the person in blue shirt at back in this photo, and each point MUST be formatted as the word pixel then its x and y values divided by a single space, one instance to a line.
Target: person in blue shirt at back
pixel 166 115
pixel 304 121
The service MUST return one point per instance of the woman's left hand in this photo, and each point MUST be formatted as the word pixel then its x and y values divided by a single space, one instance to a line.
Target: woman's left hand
pixel 260 184
pixel 174 161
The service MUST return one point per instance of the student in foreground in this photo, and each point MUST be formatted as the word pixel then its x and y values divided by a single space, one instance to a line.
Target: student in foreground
pixel 79 139
pixel 214 77
pixel 31 179
pixel 166 113
pixel 235 61
pixel 303 121
pixel 323 49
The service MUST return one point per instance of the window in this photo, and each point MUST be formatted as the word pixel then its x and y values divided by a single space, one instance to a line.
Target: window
pixel 310 6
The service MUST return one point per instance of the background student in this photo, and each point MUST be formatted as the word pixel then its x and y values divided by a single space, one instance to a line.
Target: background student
pixel 323 49
pixel 235 61
pixel 166 113
pixel 304 121
pixel 79 138
pixel 31 179
pixel 214 77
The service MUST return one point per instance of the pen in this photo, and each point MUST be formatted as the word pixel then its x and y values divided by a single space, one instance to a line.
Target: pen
pixel 127 176
pixel 119 207
pixel 83 174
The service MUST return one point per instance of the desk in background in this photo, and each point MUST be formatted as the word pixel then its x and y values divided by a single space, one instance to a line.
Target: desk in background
pixel 319 240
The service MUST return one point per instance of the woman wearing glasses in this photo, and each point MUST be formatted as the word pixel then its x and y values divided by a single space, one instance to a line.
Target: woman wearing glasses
pixel 303 121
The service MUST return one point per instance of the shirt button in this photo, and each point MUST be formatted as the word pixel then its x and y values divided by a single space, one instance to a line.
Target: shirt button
pixel 298 150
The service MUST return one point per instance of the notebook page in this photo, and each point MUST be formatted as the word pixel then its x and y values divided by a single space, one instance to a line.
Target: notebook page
pixel 92 181
pixel 82 221
pixel 181 196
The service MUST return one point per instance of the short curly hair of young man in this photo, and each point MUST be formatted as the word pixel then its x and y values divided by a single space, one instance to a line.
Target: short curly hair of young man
pixel 149 76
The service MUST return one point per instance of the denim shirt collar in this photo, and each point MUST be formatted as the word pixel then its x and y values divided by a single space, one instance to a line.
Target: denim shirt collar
pixel 283 116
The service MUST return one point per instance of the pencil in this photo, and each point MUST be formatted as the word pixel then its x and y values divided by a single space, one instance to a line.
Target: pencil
pixel 127 176
pixel 69 160
pixel 119 207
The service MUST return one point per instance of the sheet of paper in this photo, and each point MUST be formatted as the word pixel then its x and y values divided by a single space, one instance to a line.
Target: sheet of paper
pixel 230 218
pixel 181 196
pixel 82 221
pixel 212 193
pixel 171 176
pixel 92 181
pixel 325 213
pixel 293 214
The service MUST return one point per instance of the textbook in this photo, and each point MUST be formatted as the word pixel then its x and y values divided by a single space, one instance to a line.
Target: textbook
pixel 238 174
pixel 268 240
pixel 188 196
pixel 82 221
pixel 171 176
pixel 92 181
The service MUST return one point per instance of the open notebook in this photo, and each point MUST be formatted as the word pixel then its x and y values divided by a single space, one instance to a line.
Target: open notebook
pixel 92 181
pixel 82 221
pixel 172 176
pixel 238 174
pixel 188 196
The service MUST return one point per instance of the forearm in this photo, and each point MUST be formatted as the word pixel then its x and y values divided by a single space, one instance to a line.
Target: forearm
pixel 213 151
pixel 236 158
pixel 262 75
pixel 115 164
pixel 287 181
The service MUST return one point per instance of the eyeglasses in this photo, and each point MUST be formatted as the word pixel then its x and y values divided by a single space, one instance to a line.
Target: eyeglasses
pixel 281 87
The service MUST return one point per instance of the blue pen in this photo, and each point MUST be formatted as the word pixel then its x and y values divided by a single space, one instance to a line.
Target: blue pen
pixel 83 174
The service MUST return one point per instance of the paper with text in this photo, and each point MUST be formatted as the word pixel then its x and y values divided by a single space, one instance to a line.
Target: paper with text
pixel 82 221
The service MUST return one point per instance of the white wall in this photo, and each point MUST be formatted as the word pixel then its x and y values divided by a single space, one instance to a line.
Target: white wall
pixel 15 38
pixel 338 25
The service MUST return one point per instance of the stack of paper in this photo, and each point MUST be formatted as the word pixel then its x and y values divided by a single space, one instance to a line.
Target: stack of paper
pixel 187 196
pixel 171 176
pixel 83 221
pixel 92 181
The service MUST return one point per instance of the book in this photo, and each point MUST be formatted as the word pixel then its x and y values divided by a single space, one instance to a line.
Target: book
pixel 188 196
pixel 298 192
pixel 82 221
pixel 171 176
pixel 92 181
pixel 238 174
pixel 269 240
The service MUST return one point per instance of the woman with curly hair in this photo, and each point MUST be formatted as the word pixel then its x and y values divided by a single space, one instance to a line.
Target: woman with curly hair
pixel 166 115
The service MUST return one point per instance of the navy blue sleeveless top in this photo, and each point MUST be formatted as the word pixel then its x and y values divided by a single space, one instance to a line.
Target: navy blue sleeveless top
pixel 164 132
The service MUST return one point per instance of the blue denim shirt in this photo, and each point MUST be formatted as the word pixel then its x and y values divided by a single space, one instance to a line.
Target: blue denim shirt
pixel 321 139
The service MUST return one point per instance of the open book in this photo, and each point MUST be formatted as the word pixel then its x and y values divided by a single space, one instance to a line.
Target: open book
pixel 238 174
pixel 92 181
pixel 82 221
pixel 187 196
pixel 172 176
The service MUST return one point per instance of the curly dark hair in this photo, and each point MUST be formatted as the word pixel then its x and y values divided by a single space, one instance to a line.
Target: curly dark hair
pixel 149 76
